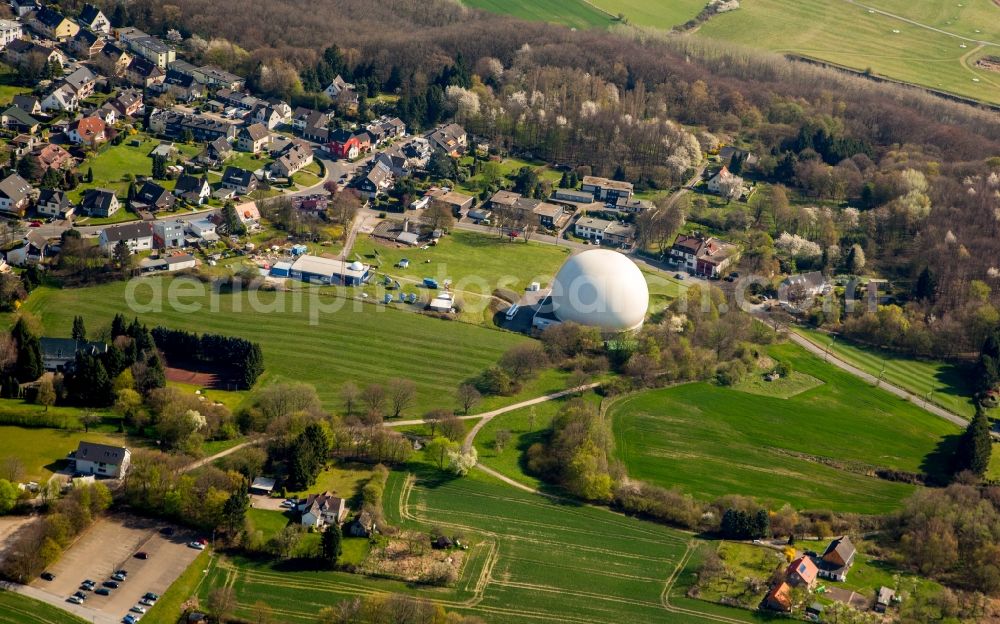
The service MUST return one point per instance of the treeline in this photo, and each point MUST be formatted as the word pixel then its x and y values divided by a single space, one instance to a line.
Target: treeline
pixel 41 542
pixel 243 357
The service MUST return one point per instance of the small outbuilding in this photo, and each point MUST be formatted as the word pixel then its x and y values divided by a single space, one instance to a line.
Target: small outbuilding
pixel 281 269
pixel 262 486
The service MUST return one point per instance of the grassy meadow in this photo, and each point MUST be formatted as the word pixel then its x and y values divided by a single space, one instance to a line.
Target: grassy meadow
pixel 41 451
pixel 349 340
pixel 850 35
pixel 664 14
pixel 813 450
pixel 18 609
pixel 572 13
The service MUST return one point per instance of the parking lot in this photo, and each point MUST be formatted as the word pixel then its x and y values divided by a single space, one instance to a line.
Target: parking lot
pixel 111 545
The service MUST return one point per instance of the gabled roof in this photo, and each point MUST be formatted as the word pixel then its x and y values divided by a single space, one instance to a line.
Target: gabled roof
pixel 153 194
pixel 89 14
pixel 53 196
pixel 128 231
pixel 89 128
pixel 221 146
pixel 20 116
pixel 255 132
pixel 127 98
pixel 804 568
pixel 86 37
pixel 237 176
pixel 840 551
pixel 144 68
pixel 25 102
pixel 97 198
pixel 15 188
pixel 49 18
pixel 92 451
pixel 781 595
pixel 187 183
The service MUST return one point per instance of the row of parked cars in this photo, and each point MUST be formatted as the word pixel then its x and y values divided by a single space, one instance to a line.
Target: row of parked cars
pixel 89 586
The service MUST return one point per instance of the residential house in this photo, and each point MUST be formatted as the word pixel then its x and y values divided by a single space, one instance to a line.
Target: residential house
pixel 193 189
pixel 15 195
pixel 86 44
pixel 202 128
pixel 126 34
pixel 28 103
pixel 54 203
pixel 605 189
pixel 735 158
pixel 34 250
pixel 268 115
pixel 801 572
pixel 204 229
pixel 153 50
pixel 253 138
pixel 548 215
pixel 604 231
pixel 153 197
pixel 21 50
pixel 93 18
pixel 396 163
pixel 337 86
pixel 216 78
pixel 138 236
pixel 449 138
pixel 59 354
pixel 633 206
pixel 87 131
pixel 319 510
pixel 22 144
pixel 144 73
pixel 837 560
pixel 168 233
pixel 377 180
pixel 112 60
pixel 460 203
pixel 219 150
pixel 249 214
pixel 51 156
pixel 128 102
pixel 702 255
pixel 803 287
pixel 61 99
pixel 317 202
pixel 240 180
pixel 344 144
pixel 99 203
pixel 779 598
pixel 10 31
pixel 17 119
pixel 503 200
pixel 723 182
pixel 102 459
pixel 292 159
pixel 82 81
pixel 181 86
pixel 54 25
pixel 23 7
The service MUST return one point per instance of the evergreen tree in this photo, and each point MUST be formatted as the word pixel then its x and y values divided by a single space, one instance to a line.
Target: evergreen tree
pixel 253 365
pixel 187 136
pixel 28 365
pixel 90 174
pixel 926 285
pixel 331 543
pixel 79 331
pixel 156 377
pixel 235 509
pixel 619 173
pixel 121 256
pixel 118 326
pixel 988 367
pixel 564 180
pixel 975 446
pixel 160 166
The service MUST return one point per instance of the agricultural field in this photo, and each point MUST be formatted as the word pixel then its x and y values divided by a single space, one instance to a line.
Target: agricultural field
pixel 531 559
pixel 947 384
pixel 572 13
pixel 18 609
pixel 861 38
pixel 813 450
pixel 662 14
pixel 319 339
pixel 43 451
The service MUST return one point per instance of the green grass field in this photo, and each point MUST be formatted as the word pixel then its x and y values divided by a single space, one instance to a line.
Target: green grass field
pixel 18 609
pixel 950 385
pixel 813 450
pixel 532 559
pixel 572 13
pixel 350 340
pixel 40 449
pixel 663 14
pixel 850 35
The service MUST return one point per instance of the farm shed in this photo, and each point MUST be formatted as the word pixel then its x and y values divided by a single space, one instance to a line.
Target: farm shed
pixel 328 271
pixel 262 486
pixel 281 269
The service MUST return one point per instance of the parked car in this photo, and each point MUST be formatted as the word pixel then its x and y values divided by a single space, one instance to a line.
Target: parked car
pixel 118 577
pixel 102 591
pixel 138 609
pixel 147 602
pixel 111 584
pixel 75 600
pixel 80 595
pixel 48 576
pixel 142 554
pixel 122 572
pixel 678 276
pixel 89 583
pixel 129 619
pixel 151 596
pixel 197 545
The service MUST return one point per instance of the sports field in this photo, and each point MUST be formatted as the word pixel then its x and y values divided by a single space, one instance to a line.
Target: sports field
pixel 532 559
pixel 18 609
pixel 572 13
pixel 814 450
pixel 856 35
pixel 949 385
pixel 349 340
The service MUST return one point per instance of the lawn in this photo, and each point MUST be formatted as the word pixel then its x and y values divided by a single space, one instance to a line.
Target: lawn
pixel 782 388
pixel 573 13
pixel 814 450
pixel 531 559
pixel 40 449
pixel 248 161
pixel 18 609
pixel 662 14
pixel 305 336
pixel 850 35
pixel 742 561
pixel 344 481
pixel 950 385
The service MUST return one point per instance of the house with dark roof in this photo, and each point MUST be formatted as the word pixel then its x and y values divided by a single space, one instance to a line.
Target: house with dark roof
pixel 153 197
pixel 203 129
pixel 17 119
pixel 346 144
pixel 319 510
pixel 143 72
pixel 253 138
pixel 23 7
pixel 240 180
pixel 449 138
pixel 292 159
pixel 101 459
pixel 15 194
pixel 28 103
pixel 93 18
pixel 113 60
pixel 138 236
pixel 215 78
pixel 58 354
pixel 193 189
pixel 86 44
pixel 182 87
pixel 128 102
pixel 35 249
pixel 377 180
pixel 54 203
pixel 54 25
pixel 62 98
pixel 99 203
pixel 837 559
pixel 219 150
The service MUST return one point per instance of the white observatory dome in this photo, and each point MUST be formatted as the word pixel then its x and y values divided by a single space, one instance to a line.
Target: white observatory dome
pixel 600 288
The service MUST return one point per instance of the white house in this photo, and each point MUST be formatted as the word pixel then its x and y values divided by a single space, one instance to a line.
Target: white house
pixel 202 228
pixel 9 31
pixel 319 510
pixel 138 236
pixel 168 233
pixel 723 181
pixel 62 98
pixel 102 459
